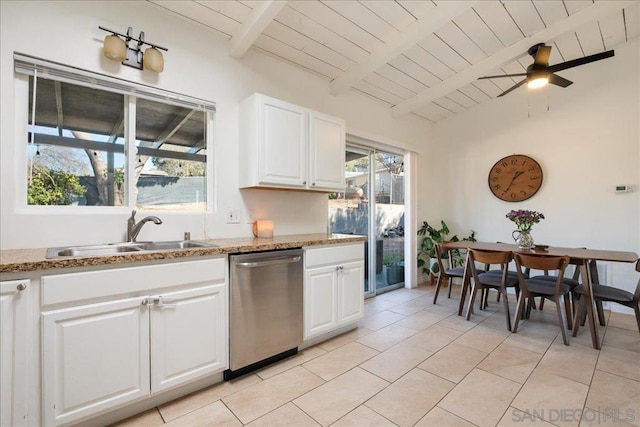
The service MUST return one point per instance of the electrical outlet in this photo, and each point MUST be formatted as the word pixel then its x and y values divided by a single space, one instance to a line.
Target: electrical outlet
pixel 233 217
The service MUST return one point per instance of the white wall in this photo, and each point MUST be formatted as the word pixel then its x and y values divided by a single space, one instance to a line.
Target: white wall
pixel 587 143
pixel 197 64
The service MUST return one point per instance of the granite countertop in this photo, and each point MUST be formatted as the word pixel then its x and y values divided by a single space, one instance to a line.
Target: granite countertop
pixel 22 260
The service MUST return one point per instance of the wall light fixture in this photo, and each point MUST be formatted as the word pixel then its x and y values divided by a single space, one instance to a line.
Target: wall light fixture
pixel 130 53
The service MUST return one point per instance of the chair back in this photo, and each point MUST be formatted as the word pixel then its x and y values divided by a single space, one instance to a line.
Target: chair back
pixel 541 262
pixel 441 254
pixel 502 258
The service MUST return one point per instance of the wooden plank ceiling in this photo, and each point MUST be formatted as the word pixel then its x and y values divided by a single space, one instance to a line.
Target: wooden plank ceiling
pixel 417 57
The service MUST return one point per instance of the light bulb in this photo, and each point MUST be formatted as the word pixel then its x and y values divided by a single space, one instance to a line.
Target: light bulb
pixel 538 82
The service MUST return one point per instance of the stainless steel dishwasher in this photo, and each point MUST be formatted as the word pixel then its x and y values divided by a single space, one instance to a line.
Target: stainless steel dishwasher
pixel 265 309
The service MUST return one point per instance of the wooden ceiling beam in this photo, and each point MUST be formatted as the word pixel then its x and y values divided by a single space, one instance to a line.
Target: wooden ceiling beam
pixel 254 25
pixel 415 33
pixel 598 10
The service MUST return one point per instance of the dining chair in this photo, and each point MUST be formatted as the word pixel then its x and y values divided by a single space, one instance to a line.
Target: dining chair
pixel 512 274
pixel 605 293
pixel 484 281
pixel 571 281
pixel 546 289
pixel 446 273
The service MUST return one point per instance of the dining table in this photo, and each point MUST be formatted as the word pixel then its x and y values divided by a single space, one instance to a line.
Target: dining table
pixel 588 269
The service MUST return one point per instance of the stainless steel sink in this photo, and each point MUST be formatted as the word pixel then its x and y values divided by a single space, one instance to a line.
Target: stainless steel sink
pixel 128 247
pixel 177 244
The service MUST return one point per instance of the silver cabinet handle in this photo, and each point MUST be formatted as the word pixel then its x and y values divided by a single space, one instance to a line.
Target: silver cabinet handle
pixel 266 263
pixel 145 301
pixel 161 301
pixel 21 287
pixel 304 182
pixel 313 183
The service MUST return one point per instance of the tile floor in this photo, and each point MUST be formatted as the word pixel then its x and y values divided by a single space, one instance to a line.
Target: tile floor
pixel 414 363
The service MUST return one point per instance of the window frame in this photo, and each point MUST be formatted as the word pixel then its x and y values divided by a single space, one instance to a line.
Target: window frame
pixel 25 66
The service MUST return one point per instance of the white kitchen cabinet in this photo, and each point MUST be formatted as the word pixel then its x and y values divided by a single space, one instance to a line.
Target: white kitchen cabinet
pixel 333 288
pixel 283 145
pixel 13 352
pixel 187 335
pixel 95 357
pixel 98 356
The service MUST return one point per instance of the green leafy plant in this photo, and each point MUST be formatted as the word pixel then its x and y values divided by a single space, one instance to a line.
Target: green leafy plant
pixel 50 187
pixel 391 259
pixel 428 246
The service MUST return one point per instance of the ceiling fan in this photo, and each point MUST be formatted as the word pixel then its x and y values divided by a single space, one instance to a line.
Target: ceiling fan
pixel 540 72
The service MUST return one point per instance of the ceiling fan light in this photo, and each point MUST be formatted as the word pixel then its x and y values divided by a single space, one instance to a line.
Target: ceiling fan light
pixel 538 81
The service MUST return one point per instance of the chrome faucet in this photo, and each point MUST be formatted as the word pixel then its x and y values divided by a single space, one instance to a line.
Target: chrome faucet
pixel 133 228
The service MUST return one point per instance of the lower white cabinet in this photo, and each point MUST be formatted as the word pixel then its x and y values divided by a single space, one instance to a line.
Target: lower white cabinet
pixel 187 339
pixel 13 352
pixel 333 288
pixel 95 357
pixel 102 355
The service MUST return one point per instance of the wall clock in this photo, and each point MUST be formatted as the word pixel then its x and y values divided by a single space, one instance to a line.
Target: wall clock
pixel 515 178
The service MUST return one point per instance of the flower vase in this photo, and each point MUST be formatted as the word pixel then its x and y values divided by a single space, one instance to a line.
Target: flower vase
pixel 523 239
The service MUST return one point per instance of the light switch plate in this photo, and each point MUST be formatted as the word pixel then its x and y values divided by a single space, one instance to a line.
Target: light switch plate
pixel 233 217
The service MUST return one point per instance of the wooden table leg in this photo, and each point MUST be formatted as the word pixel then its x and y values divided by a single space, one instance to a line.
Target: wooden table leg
pixel 591 315
pixel 466 281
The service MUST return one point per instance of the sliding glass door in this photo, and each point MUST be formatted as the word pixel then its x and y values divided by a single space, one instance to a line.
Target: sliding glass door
pixel 372 205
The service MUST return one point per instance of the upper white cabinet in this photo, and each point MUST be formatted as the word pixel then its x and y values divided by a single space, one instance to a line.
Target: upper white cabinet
pixel 13 352
pixel 283 145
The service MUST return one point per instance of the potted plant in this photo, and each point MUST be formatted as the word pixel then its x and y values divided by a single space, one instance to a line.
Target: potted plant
pixel 427 252
pixel 394 266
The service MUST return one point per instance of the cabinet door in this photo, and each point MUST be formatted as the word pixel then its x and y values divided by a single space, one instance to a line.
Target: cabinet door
pixel 350 292
pixel 320 286
pixel 327 152
pixel 13 352
pixel 188 335
pixel 282 157
pixel 94 357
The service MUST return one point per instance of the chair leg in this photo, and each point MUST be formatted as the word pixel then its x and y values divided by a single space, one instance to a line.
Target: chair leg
pixel 541 303
pixel 519 312
pixel 581 313
pixel 567 310
pixel 636 308
pixel 600 310
pixel 438 285
pixel 506 308
pixel 498 297
pixel 563 319
pixel 450 279
pixel 527 313
pixel 472 300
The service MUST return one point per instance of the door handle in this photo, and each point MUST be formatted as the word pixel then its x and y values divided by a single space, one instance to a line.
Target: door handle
pixel 269 262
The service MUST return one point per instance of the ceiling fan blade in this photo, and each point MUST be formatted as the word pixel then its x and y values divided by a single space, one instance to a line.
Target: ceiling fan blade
pixel 580 61
pixel 502 75
pixel 515 86
pixel 559 81
pixel 542 56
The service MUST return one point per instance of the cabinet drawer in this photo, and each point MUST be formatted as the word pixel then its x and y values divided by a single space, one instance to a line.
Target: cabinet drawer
pixel 130 280
pixel 325 255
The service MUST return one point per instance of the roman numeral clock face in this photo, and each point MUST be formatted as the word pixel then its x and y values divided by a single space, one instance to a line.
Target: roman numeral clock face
pixel 515 178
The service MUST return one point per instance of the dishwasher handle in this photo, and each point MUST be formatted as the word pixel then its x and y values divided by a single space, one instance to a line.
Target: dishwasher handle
pixel 269 262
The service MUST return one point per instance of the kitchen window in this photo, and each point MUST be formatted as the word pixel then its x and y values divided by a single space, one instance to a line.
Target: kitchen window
pixel 93 140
